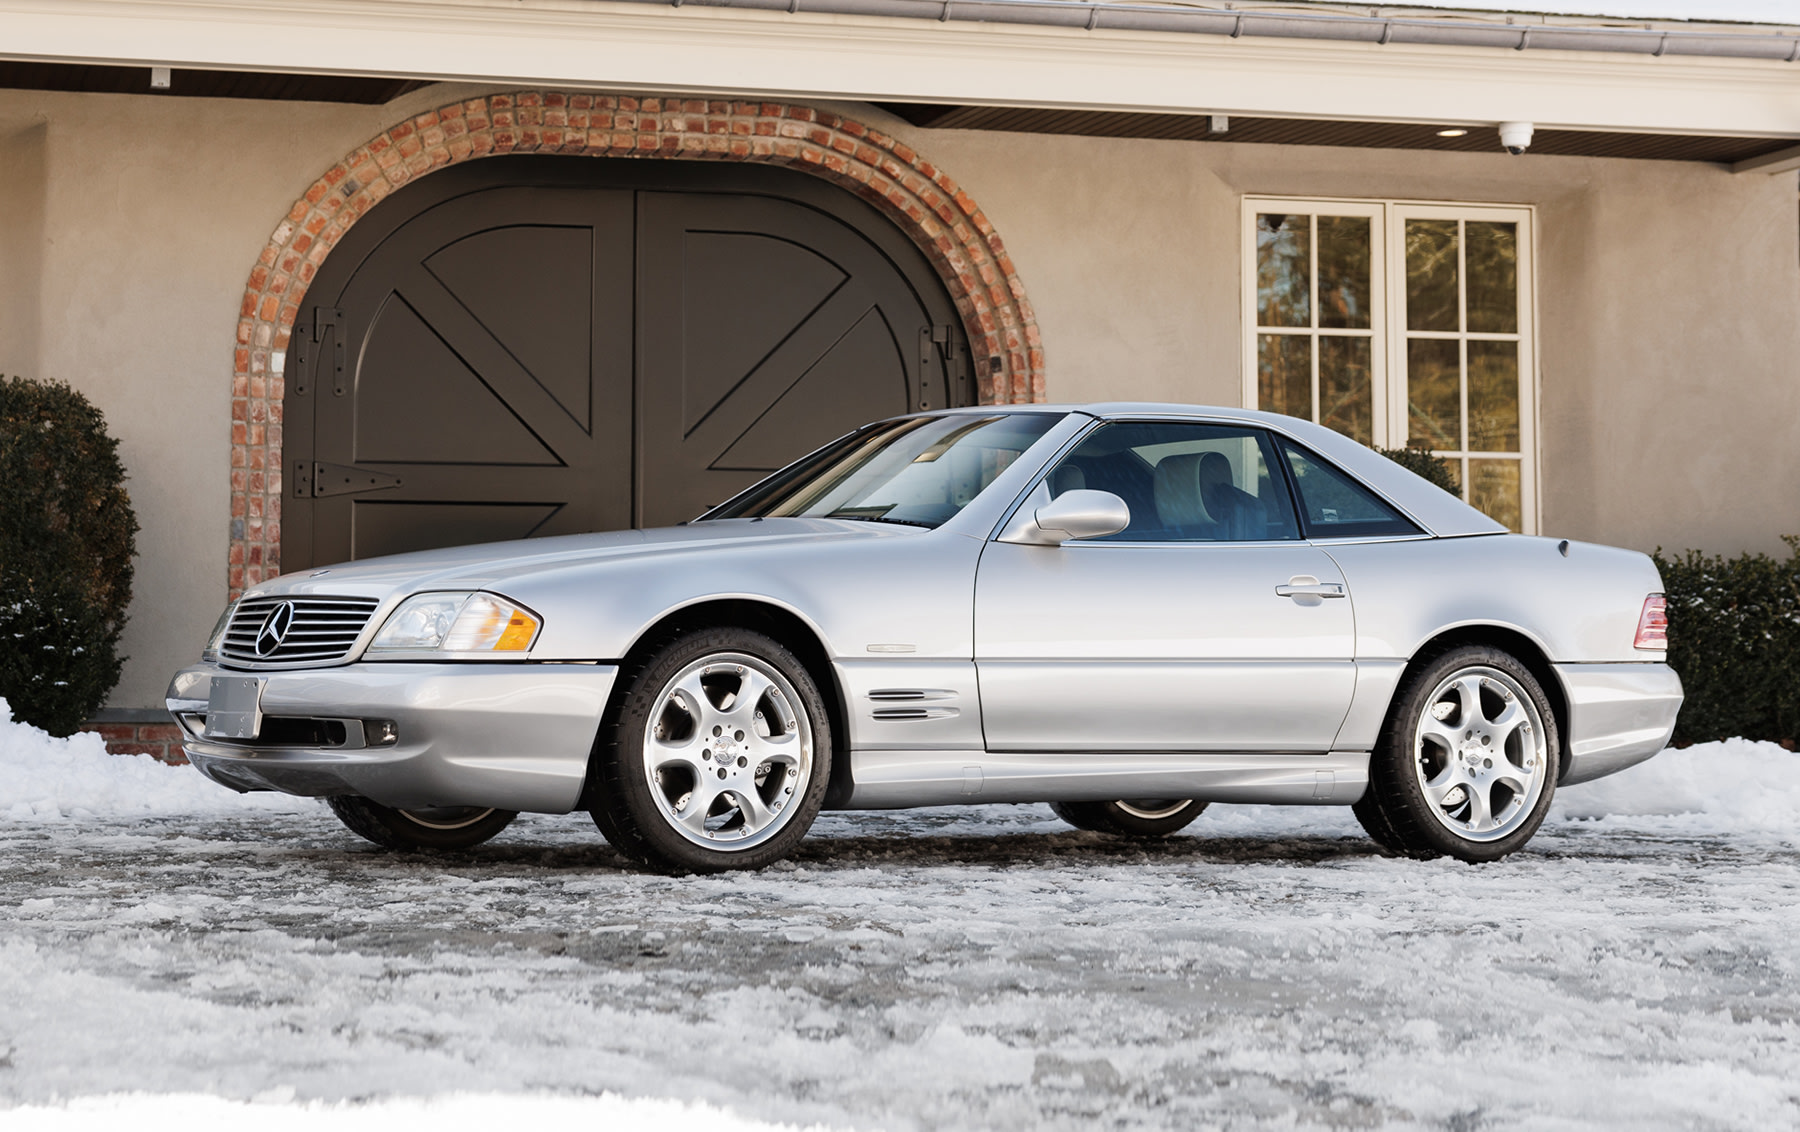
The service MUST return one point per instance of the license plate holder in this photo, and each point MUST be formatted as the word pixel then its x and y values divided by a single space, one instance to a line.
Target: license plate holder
pixel 234 707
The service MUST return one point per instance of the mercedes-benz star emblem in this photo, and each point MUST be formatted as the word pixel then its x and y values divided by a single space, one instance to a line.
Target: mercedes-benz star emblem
pixel 274 628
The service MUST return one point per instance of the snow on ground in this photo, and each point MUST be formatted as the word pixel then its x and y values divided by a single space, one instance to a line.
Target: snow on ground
pixel 1637 966
pixel 42 777
pixel 453 1113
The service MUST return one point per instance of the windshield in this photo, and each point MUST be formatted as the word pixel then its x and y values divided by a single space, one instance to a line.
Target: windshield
pixel 919 471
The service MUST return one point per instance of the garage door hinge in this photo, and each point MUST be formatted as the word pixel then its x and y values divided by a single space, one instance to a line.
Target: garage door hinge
pixel 941 361
pixel 306 340
pixel 315 479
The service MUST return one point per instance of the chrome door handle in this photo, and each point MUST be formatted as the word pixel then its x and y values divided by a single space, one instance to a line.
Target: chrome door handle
pixel 1311 589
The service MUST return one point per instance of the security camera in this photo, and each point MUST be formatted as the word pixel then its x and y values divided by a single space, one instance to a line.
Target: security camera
pixel 1515 136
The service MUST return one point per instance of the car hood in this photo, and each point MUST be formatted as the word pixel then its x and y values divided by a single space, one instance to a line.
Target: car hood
pixel 492 565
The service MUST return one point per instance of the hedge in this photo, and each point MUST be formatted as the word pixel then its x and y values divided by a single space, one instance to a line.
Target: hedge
pixel 67 536
pixel 1734 636
pixel 1420 462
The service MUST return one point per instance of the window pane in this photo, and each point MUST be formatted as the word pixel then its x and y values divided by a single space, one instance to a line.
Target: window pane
pixel 1184 482
pixel 1344 288
pixel 1335 505
pixel 1433 393
pixel 1283 270
pixel 1494 396
pixel 1494 488
pixel 1284 374
pixel 1493 277
pixel 1431 275
pixel 1346 395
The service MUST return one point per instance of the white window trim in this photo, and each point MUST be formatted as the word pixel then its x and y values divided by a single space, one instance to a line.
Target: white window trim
pixel 1387 311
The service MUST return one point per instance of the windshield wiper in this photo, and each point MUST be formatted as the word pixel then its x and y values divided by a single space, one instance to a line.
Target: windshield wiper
pixel 870 517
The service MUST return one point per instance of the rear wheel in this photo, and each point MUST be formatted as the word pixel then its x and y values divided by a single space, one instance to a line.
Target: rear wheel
pixel 718 756
pixel 1134 817
pixel 432 827
pixel 1467 763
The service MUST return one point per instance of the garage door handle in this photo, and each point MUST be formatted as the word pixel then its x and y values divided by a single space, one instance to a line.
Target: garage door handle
pixel 1311 589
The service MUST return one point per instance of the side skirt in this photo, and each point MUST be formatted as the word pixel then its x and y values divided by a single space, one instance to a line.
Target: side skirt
pixel 897 779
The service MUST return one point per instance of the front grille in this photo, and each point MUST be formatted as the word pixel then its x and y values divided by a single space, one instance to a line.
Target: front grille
pixel 323 629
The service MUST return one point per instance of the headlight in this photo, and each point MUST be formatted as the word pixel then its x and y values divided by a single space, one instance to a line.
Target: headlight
pixel 456 623
pixel 217 637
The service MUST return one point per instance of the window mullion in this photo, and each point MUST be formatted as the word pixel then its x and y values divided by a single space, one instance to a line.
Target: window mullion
pixel 1313 251
pixel 1462 347
pixel 1393 254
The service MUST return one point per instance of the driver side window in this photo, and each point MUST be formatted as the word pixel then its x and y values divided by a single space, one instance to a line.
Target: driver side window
pixel 1184 482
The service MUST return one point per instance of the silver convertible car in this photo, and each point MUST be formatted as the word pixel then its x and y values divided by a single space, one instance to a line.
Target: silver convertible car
pixel 1126 611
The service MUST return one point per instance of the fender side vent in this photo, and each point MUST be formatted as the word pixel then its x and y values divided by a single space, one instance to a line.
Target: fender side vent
pixel 892 715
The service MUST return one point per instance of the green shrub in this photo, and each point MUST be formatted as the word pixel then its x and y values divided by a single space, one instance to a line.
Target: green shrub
pixel 1734 636
pixel 67 536
pixel 1423 464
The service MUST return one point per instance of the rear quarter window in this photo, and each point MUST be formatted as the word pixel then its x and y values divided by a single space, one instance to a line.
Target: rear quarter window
pixel 1334 504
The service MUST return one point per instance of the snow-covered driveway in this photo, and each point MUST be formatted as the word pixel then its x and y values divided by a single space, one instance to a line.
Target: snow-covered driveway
pixel 980 968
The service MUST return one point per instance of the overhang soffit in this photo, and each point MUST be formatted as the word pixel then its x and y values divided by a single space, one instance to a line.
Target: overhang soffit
pixel 878 50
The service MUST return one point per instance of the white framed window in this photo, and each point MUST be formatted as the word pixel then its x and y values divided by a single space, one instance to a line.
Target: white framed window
pixel 1399 324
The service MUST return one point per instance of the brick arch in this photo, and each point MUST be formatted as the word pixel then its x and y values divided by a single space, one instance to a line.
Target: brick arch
pixel 920 198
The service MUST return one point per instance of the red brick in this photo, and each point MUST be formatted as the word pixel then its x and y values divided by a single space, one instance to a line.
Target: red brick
pixel 154 750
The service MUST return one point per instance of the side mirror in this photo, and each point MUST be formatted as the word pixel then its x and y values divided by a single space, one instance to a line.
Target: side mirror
pixel 1075 514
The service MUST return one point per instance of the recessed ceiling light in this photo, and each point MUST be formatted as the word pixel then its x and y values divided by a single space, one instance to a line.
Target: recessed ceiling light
pixel 1452 133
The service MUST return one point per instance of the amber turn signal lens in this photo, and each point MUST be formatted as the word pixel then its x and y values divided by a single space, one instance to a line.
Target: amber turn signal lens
pixel 520 628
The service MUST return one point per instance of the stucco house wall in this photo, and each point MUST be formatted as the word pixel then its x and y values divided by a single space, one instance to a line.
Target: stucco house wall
pixel 1666 292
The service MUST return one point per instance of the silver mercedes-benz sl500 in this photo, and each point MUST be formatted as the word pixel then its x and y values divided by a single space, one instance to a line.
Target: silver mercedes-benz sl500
pixel 1126 611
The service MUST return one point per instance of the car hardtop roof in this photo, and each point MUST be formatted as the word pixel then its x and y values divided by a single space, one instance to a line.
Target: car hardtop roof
pixel 1433 508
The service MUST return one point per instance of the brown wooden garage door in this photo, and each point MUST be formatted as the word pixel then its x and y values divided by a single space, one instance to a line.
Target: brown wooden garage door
pixel 533 346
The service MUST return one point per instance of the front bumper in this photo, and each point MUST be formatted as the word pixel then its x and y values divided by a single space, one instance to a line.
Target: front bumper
pixel 511 736
pixel 1619 714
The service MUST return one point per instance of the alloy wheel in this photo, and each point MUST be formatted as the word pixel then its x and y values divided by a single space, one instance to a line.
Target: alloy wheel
pixel 1480 754
pixel 727 754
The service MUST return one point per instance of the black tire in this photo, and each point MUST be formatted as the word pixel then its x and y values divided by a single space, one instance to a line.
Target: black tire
pixel 444 827
pixel 1452 733
pixel 641 807
pixel 1139 818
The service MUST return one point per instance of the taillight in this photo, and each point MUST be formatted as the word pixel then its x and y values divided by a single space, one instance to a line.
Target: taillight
pixel 1653 624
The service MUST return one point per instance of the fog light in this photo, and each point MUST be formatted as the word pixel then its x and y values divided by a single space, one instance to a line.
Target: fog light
pixel 380 732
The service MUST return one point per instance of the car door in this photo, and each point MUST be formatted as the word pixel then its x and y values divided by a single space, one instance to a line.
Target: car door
pixel 1207 624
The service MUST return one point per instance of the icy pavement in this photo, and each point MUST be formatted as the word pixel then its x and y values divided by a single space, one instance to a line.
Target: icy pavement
pixel 974 968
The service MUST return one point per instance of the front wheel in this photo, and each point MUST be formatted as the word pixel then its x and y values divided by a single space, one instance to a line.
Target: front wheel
pixel 1468 760
pixel 718 756
pixel 1135 817
pixel 435 827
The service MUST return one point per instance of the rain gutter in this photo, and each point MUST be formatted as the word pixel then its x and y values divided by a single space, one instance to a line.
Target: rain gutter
pixel 1381 30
